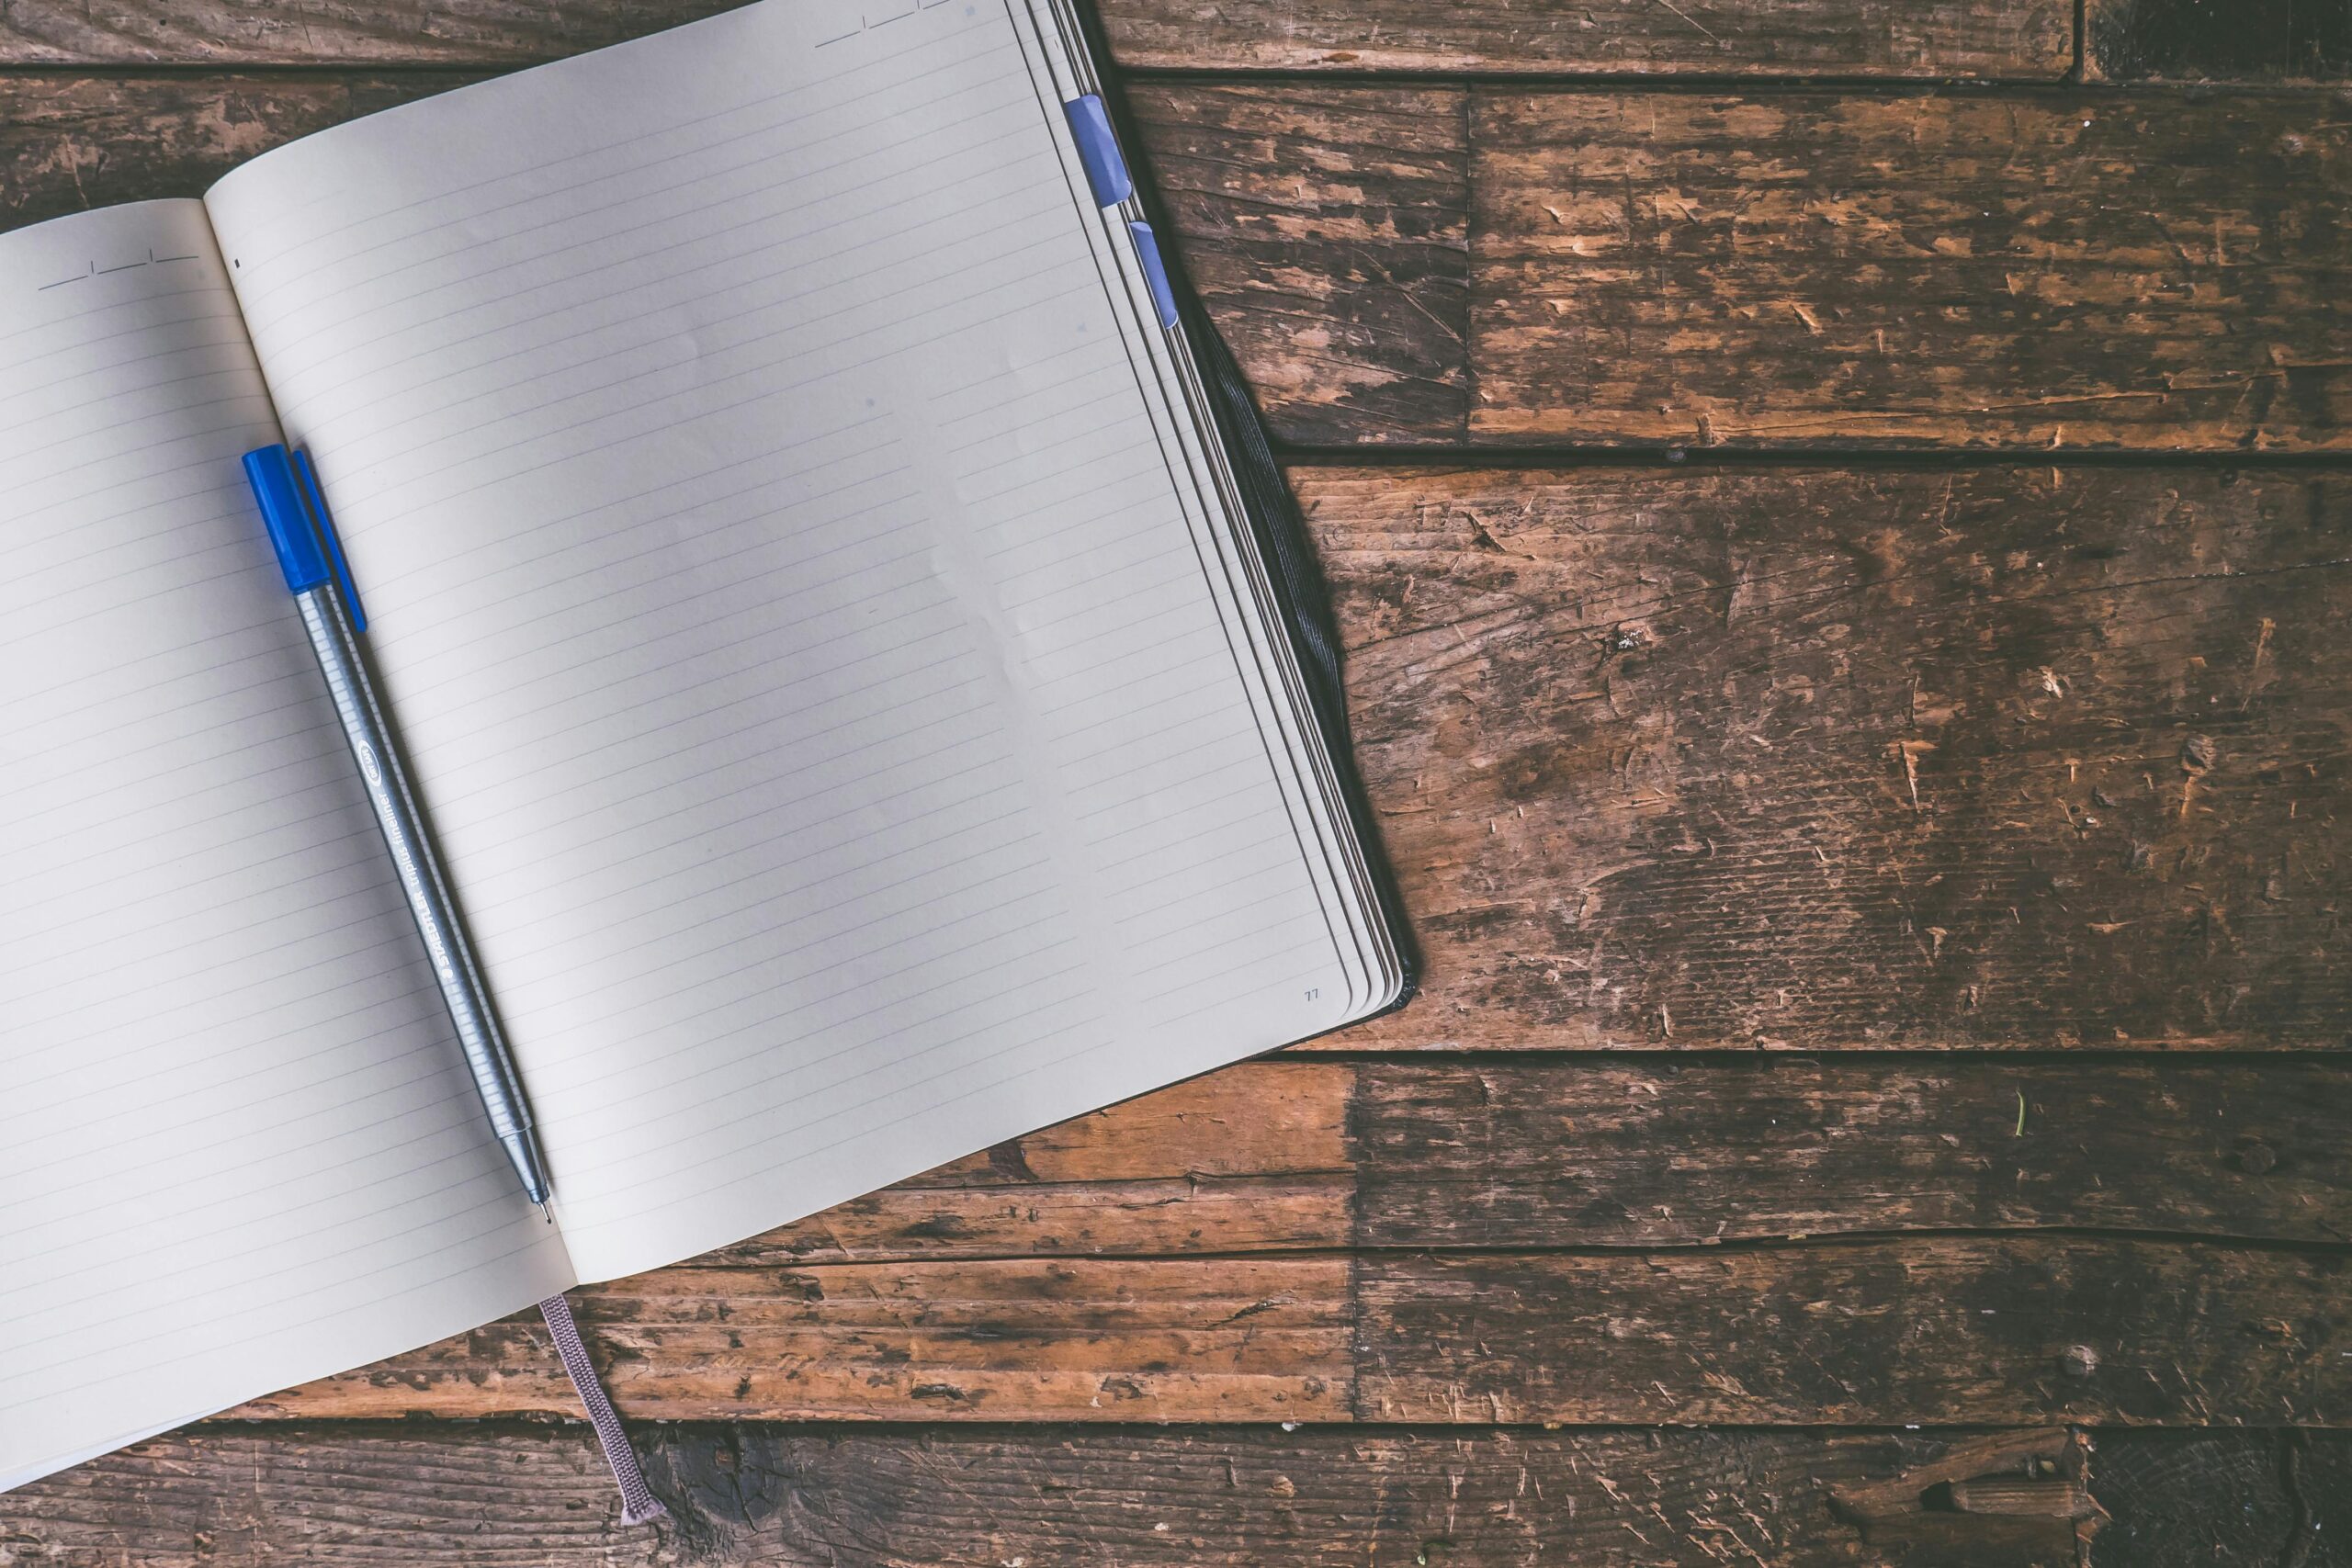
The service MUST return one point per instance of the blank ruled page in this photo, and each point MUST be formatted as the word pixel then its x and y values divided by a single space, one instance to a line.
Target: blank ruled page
pixel 238 1148
pixel 784 591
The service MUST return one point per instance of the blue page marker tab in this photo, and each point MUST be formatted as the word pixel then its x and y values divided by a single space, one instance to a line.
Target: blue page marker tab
pixel 1155 273
pixel 318 500
pixel 1090 124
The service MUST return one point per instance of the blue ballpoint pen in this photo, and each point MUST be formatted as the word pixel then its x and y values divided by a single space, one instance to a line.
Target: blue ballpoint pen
pixel 311 558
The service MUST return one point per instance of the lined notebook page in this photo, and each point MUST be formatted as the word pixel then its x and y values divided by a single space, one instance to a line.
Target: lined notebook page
pixel 237 1148
pixel 812 674
pixel 1176 396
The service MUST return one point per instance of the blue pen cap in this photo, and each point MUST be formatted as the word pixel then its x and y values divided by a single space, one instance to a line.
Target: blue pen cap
pixel 270 470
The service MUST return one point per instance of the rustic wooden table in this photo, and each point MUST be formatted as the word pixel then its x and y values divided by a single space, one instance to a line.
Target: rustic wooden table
pixel 1841 513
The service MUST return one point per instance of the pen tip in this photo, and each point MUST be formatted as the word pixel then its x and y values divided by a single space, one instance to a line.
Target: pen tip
pixel 548 1211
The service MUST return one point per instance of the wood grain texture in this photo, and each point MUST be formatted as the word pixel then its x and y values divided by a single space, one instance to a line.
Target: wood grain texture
pixel 983 1499
pixel 1327 232
pixel 1941 1331
pixel 1077 1339
pixel 2191 40
pixel 2138 272
pixel 1988 757
pixel 72 143
pixel 1649 1154
pixel 2032 39
pixel 1295 1154
pixel 1937 1332
pixel 503 1497
pixel 2295 1486
pixel 2028 40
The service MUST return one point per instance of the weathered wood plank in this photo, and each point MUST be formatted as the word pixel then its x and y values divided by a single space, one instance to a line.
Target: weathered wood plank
pixel 1325 228
pixel 2031 39
pixel 1947 1331
pixel 2140 272
pixel 2296 1486
pixel 2192 40
pixel 2018 39
pixel 937 1216
pixel 1991 756
pixel 1079 1339
pixel 70 143
pixel 977 1498
pixel 1295 1154
pixel 1935 1330
pixel 1642 1154
pixel 1327 231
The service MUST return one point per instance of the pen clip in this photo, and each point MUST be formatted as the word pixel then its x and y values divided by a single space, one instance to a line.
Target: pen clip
pixel 317 500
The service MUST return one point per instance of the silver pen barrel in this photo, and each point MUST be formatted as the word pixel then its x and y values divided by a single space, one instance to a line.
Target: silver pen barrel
pixel 327 618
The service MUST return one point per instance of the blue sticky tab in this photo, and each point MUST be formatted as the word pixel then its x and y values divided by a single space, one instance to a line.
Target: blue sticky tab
pixel 1090 123
pixel 318 500
pixel 1155 273
pixel 271 474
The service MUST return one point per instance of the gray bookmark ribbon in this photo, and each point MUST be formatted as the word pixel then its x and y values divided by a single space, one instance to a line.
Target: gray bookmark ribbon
pixel 637 1502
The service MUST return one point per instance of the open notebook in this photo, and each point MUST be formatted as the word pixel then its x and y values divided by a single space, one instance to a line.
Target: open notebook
pixel 860 670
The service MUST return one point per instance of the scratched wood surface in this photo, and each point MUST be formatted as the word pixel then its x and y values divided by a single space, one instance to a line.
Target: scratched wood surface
pixel 2187 41
pixel 1300 1155
pixel 1869 1332
pixel 1148 1498
pixel 1820 269
pixel 1885 756
pixel 1843 645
